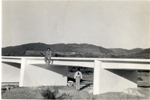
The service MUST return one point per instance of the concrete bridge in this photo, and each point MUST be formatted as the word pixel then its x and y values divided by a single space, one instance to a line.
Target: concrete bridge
pixel 110 75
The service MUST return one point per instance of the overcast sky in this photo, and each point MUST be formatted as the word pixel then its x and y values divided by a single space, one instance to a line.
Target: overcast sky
pixel 111 24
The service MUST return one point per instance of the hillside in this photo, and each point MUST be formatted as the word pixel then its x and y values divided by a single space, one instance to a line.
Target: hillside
pixel 120 51
pixel 89 50
pixel 145 54
pixel 74 50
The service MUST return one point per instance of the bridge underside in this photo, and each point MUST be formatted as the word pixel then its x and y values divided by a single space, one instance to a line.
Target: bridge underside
pixel 10 72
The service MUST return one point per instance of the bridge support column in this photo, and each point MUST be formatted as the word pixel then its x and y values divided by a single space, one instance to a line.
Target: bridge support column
pixel 112 80
pixel 97 75
pixel 23 64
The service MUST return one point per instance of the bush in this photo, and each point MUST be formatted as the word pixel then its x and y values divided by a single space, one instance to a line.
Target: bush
pixel 49 93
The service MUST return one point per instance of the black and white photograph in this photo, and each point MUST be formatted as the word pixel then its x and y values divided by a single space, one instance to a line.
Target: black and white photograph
pixel 75 49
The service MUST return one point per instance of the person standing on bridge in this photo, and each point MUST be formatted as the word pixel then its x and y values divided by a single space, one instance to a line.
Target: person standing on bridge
pixel 48 56
pixel 78 77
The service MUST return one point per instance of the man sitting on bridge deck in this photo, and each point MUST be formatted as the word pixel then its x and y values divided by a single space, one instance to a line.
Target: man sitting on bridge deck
pixel 48 56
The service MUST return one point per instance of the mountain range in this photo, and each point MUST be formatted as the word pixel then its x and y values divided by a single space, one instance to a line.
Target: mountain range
pixel 75 50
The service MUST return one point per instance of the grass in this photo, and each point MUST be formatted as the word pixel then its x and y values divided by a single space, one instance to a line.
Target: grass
pixel 21 93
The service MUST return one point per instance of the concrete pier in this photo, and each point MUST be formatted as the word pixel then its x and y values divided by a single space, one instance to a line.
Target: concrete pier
pixel 110 80
pixel 42 74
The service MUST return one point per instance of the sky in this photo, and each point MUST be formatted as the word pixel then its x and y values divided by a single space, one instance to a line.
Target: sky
pixel 110 24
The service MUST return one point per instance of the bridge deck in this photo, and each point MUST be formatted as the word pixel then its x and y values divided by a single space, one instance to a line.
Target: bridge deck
pixel 107 63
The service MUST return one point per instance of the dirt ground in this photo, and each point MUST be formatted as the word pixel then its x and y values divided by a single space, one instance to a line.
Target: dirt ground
pixel 84 93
